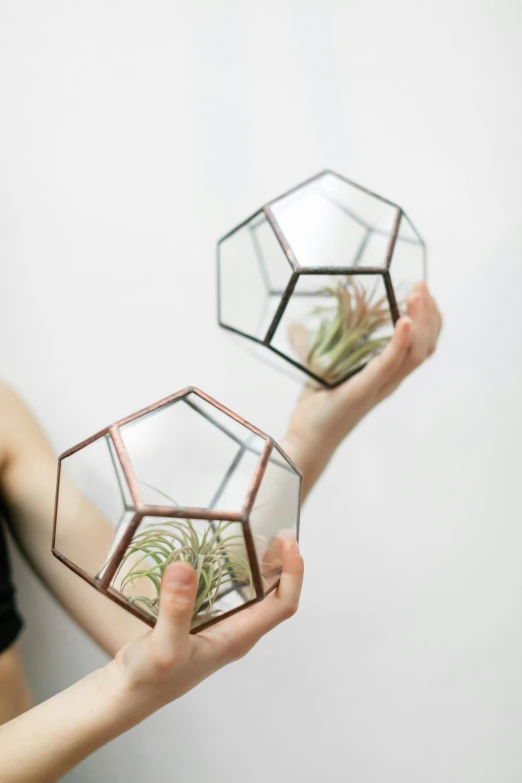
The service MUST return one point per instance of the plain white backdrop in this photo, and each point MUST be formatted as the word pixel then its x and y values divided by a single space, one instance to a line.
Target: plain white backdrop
pixel 133 134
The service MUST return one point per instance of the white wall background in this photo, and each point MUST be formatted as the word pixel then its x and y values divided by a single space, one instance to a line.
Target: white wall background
pixel 132 134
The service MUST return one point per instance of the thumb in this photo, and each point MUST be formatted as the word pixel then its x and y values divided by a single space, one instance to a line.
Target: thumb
pixel 177 599
pixel 382 367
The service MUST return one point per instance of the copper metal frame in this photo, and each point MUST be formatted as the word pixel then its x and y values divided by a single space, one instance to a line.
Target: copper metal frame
pixel 141 510
pixel 266 213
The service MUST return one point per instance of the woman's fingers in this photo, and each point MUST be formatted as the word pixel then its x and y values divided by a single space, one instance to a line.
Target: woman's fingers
pixel 177 599
pixel 272 560
pixel 238 634
pixel 436 318
pixel 419 312
pixel 409 347
pixel 284 601
pixel 433 314
pixel 413 341
pixel 286 598
pixel 379 370
pixel 426 326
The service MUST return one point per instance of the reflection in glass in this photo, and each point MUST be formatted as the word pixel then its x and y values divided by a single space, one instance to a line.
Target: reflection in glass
pixel 408 262
pixel 253 274
pixel 275 516
pixel 181 452
pixel 330 222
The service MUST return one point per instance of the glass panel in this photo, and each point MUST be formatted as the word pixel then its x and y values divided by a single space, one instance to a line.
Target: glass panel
pixel 182 452
pixel 261 355
pixel 277 269
pixel 375 251
pixel 278 458
pixel 121 529
pixel 333 325
pixel 120 477
pixel 275 515
pixel 371 210
pixel 238 480
pixel 230 426
pixel 332 223
pixel 216 551
pixel 252 274
pixel 408 263
pixel 91 504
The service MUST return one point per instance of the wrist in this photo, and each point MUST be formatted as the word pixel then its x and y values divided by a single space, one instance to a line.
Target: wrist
pixel 310 454
pixel 323 428
pixel 310 445
pixel 129 701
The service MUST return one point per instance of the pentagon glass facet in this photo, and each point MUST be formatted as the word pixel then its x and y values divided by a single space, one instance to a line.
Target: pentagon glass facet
pixel 320 275
pixel 185 479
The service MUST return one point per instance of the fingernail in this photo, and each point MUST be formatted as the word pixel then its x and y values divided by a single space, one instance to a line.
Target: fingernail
pixel 295 547
pixel 179 575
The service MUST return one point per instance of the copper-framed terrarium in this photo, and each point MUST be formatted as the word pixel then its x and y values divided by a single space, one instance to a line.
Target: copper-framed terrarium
pixel 183 479
pixel 320 275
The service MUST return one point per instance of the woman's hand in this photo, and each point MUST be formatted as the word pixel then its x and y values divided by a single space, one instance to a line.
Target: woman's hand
pixel 44 743
pixel 324 417
pixel 169 661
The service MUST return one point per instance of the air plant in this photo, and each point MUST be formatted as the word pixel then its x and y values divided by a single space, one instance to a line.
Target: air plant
pixel 347 332
pixel 213 555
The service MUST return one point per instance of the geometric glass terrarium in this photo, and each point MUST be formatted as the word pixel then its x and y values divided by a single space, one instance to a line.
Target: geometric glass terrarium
pixel 320 275
pixel 184 479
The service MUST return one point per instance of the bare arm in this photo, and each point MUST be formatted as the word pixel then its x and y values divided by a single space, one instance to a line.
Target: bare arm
pixel 43 744
pixel 320 422
pixel 323 417
pixel 27 486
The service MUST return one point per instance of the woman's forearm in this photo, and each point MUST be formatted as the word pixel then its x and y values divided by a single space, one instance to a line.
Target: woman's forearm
pixel 43 744
pixel 28 509
pixel 311 455
pixel 323 418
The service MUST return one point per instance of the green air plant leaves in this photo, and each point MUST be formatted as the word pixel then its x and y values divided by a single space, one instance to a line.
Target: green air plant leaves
pixel 214 555
pixel 348 332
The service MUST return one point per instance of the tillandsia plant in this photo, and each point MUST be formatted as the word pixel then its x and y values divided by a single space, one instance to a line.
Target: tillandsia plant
pixel 213 555
pixel 348 331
